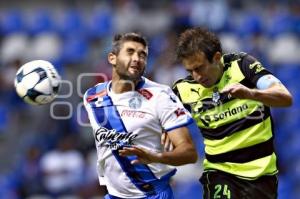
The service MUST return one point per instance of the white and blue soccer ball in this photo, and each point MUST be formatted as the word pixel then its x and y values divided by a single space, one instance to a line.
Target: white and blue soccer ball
pixel 37 82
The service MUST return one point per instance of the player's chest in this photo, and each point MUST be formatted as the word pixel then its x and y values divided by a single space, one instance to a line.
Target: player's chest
pixel 132 111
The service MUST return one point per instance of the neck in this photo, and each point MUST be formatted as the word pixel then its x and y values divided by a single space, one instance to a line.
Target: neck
pixel 121 86
pixel 220 72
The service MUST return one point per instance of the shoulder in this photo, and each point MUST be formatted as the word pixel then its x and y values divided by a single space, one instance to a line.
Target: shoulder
pixel 183 84
pixel 245 61
pixel 154 86
pixel 231 57
pixel 157 90
pixel 187 79
pixel 95 91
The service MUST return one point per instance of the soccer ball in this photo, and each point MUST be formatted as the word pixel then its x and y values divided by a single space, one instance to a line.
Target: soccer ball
pixel 37 82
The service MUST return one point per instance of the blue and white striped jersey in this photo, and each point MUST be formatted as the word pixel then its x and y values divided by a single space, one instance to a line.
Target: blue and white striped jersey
pixel 137 118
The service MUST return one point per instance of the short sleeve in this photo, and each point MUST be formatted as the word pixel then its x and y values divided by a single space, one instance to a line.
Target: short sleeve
pixel 252 69
pixel 176 92
pixel 85 98
pixel 171 112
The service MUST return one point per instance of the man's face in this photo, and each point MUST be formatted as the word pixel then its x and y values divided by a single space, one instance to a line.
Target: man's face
pixel 130 62
pixel 203 71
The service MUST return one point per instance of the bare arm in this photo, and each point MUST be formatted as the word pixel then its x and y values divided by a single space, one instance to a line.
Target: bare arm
pixel 166 142
pixel 184 151
pixel 276 95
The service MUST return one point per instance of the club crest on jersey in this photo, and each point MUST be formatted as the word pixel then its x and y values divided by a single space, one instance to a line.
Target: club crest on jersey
pixel 99 101
pixel 135 102
pixel 216 96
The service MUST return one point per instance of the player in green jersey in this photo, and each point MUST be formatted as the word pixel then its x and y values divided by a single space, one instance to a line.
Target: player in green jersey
pixel 229 96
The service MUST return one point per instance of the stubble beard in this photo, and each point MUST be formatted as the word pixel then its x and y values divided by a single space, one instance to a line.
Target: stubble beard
pixel 127 76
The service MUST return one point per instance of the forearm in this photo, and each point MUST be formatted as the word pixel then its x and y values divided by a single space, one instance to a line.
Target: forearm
pixel 275 96
pixel 179 156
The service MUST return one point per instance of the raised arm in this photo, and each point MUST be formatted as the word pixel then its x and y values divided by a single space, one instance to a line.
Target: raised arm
pixel 269 90
pixel 275 95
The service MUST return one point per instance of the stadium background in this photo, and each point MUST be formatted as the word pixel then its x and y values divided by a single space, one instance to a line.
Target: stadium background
pixel 75 35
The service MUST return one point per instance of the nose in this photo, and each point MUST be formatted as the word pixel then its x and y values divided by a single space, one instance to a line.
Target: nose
pixel 135 57
pixel 197 76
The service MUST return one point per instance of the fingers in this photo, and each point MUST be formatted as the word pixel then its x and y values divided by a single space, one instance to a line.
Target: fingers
pixel 228 93
pixel 229 96
pixel 168 145
pixel 134 150
pixel 136 161
pixel 141 156
pixel 166 142
pixel 163 138
pixel 237 91
pixel 127 151
pixel 229 89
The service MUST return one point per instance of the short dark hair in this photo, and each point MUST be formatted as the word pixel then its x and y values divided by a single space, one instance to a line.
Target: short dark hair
pixel 195 40
pixel 119 39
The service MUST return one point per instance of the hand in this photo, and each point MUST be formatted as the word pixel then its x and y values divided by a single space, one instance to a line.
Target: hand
pixel 144 156
pixel 238 91
pixel 166 142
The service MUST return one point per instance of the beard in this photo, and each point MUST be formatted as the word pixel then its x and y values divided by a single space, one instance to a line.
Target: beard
pixel 123 72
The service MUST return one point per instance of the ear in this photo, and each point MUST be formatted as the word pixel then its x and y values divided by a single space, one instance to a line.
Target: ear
pixel 217 57
pixel 112 59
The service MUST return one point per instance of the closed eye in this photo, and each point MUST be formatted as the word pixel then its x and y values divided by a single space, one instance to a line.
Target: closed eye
pixel 130 51
pixel 196 69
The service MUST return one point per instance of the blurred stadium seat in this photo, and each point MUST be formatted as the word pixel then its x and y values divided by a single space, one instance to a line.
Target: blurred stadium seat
pixel 74 50
pixel 99 23
pixel 40 21
pixel 12 21
pixel 71 22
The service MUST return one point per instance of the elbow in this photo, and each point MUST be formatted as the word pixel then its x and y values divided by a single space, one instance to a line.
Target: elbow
pixel 288 100
pixel 194 158
pixel 190 157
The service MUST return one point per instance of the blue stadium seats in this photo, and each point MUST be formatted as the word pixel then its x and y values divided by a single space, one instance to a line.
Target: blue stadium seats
pixel 12 22
pixel 251 24
pixel 296 24
pixel 190 190
pixel 100 23
pixel 72 23
pixel 40 21
pixel 288 74
pixel 4 117
pixel 8 184
pixel 74 50
pixel 284 187
pixel 280 23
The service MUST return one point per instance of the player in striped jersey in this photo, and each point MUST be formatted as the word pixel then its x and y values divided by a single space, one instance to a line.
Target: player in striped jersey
pixel 230 97
pixel 128 115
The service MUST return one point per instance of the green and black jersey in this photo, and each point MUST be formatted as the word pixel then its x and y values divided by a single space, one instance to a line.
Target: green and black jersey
pixel 238 133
